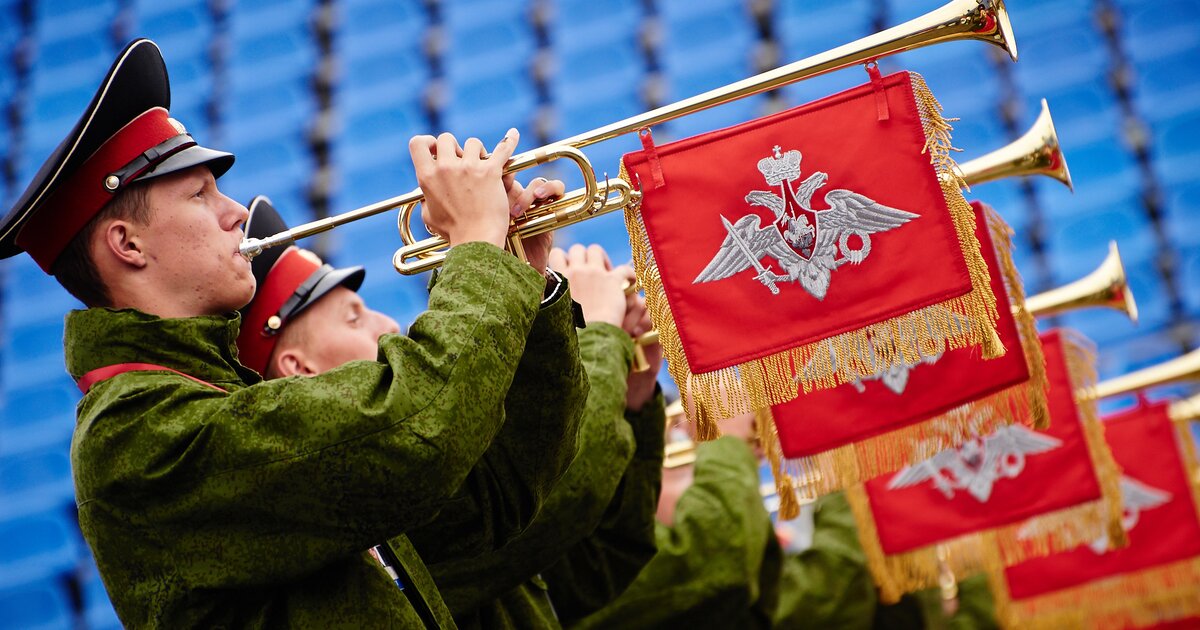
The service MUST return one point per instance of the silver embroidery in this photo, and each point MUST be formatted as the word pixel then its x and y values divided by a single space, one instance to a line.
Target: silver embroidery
pixel 808 244
pixel 978 464
pixel 1135 497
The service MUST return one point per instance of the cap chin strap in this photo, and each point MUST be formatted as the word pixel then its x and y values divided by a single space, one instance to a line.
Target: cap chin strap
pixel 298 298
pixel 149 159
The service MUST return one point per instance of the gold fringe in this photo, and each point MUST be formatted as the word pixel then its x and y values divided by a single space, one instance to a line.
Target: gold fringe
pixel 1006 545
pixel 1155 595
pixel 1151 596
pixel 888 452
pixel 768 439
pixel 772 380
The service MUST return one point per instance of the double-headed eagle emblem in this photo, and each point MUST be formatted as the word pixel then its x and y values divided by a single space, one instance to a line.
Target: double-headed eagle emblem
pixel 1135 497
pixel 807 243
pixel 979 463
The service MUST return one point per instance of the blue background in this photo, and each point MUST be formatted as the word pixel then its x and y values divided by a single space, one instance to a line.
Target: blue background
pixel 318 100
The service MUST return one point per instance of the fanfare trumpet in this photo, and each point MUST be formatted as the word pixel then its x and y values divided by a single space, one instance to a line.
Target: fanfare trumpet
pixel 1177 370
pixel 1106 287
pixel 985 20
pixel 1037 152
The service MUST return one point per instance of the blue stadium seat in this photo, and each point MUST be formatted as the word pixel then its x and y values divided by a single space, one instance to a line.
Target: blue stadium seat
pixel 1189 280
pixel 805 29
pixel 726 31
pixel 384 23
pixel 488 108
pixel 1182 217
pixel 97 609
pixel 1059 59
pixel 1178 138
pixel 38 415
pixel 486 38
pixel 1077 244
pixel 574 27
pixel 1039 19
pixel 35 481
pixel 36 547
pixel 41 606
pixel 372 77
pixel 1161 30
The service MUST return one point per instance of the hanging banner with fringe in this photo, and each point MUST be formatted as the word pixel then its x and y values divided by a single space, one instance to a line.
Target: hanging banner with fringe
pixel 1019 492
pixel 807 249
pixel 876 425
pixel 1153 580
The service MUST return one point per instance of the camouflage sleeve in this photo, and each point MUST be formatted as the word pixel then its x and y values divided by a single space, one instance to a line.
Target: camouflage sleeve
pixel 539 438
pixel 709 565
pixel 600 568
pixel 318 468
pixel 577 501
pixel 827 585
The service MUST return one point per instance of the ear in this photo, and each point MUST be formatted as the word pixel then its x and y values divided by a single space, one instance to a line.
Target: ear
pixel 291 362
pixel 121 240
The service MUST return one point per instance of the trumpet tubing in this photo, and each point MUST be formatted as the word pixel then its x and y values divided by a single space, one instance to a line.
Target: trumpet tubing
pixel 984 20
pixel 1185 410
pixel 1177 370
pixel 1037 152
pixel 1106 287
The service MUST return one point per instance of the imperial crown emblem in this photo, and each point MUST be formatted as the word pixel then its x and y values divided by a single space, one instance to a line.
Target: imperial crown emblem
pixel 807 243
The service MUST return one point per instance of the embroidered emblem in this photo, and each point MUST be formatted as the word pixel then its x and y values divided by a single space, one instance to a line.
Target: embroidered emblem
pixel 978 464
pixel 807 243
pixel 1135 497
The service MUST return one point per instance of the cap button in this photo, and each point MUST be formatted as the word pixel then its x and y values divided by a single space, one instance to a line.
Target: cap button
pixel 112 182
pixel 273 322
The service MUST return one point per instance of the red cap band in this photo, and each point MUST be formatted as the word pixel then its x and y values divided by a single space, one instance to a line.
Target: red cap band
pixel 82 195
pixel 255 345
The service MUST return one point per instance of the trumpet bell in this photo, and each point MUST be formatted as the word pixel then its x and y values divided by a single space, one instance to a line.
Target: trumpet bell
pixel 1037 152
pixel 1105 287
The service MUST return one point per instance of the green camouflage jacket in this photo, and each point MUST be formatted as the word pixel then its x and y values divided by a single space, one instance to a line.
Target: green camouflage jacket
pixel 718 566
pixel 602 509
pixel 828 585
pixel 253 508
pixel 923 610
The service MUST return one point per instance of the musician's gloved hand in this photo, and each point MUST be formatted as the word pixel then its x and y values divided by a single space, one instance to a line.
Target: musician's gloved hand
pixel 520 198
pixel 465 199
pixel 595 285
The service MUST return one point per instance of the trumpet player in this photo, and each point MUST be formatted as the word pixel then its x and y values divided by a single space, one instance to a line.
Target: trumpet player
pixel 592 533
pixel 210 498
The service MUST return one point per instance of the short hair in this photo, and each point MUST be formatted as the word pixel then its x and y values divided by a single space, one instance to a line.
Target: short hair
pixel 293 335
pixel 75 270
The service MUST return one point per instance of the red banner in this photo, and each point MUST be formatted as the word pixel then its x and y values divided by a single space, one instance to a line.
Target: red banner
pixel 1151 580
pixel 992 485
pixel 882 419
pixel 777 254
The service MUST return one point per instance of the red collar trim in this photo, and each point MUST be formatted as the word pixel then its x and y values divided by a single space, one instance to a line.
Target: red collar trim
pixel 98 375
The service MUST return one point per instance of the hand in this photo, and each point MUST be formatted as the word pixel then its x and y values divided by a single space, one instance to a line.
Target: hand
pixel 465 198
pixel 594 283
pixel 520 198
pixel 641 385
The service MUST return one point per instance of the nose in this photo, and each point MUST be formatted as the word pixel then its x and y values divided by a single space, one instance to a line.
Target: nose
pixel 234 213
pixel 384 324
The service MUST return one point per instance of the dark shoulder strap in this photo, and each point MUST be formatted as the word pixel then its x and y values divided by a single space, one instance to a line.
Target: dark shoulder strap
pixel 97 375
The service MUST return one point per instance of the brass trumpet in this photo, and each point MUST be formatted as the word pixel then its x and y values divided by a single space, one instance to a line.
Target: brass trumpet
pixel 1185 410
pixel 1037 152
pixel 1105 287
pixel 1177 370
pixel 985 20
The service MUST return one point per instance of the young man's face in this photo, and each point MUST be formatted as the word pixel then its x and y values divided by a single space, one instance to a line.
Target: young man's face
pixel 339 328
pixel 192 241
